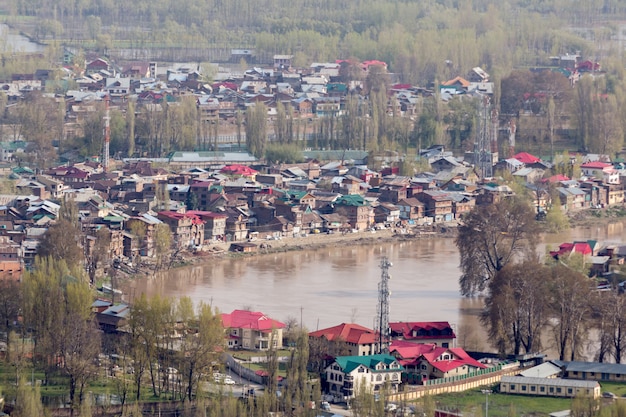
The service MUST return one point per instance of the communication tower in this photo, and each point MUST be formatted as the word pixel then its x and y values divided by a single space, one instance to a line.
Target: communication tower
pixel 383 307
pixel 486 145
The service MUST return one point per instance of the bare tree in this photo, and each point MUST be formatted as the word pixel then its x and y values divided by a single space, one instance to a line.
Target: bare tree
pixel 490 237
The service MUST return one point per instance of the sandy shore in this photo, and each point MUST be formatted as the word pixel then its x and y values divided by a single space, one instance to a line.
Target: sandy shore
pixel 321 240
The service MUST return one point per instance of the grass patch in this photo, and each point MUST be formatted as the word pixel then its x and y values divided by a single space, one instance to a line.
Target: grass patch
pixel 617 388
pixel 469 402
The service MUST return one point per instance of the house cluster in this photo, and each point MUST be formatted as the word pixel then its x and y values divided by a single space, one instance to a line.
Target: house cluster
pixel 603 258
pixel 231 198
pixel 417 352
pixel 319 90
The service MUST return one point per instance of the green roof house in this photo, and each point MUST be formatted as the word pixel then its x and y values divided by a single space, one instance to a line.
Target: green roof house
pixel 370 372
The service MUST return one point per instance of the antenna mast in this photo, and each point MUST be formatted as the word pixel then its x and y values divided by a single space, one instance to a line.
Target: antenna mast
pixel 107 135
pixel 383 306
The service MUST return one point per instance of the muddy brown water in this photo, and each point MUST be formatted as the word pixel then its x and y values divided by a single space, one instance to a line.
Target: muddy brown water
pixel 328 286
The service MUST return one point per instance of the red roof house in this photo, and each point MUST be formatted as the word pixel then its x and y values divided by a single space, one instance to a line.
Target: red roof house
pixel 428 361
pixel 252 330
pixel 526 158
pixel 236 169
pixel 436 332
pixel 568 249
pixel 359 340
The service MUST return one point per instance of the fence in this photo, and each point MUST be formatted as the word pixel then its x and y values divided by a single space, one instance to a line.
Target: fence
pixel 457 384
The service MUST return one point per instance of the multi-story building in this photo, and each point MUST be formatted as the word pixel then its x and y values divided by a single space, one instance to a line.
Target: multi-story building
pixel 252 330
pixel 369 373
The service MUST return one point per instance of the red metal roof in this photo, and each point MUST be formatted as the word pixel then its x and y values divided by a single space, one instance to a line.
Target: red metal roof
pixel 348 332
pixel 413 353
pixel 596 165
pixel 526 158
pixel 407 329
pixel 255 320
pixel 237 169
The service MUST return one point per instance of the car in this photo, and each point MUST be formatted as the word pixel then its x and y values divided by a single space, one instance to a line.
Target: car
pixel 229 381
pixel 325 406
pixel 608 394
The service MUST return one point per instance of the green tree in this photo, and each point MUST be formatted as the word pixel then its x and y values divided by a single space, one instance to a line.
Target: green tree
pixel 288 154
pixel 256 134
pixel 28 400
pixel 201 346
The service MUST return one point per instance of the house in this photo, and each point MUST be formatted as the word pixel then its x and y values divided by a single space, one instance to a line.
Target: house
pixel 549 387
pixel 584 249
pixel 593 371
pixel 602 171
pixel 282 61
pixel 423 362
pixel 252 330
pixel 117 87
pixel 96 66
pixel 359 213
pixel 411 209
pixel 438 205
pixel 214 224
pixel 112 317
pixel 439 333
pixel 369 373
pixel 187 228
pixel 358 340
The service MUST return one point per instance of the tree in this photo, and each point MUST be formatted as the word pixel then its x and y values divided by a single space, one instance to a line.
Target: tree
pixel 162 243
pixel 516 308
pixel 570 292
pixel 10 308
pixel 288 154
pixel 201 346
pixel 490 237
pixel 27 400
pixel 62 241
pixel 256 134
pixel 99 253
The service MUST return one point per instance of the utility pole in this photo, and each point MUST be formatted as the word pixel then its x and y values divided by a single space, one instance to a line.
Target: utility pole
pixel 383 306
pixel 487 392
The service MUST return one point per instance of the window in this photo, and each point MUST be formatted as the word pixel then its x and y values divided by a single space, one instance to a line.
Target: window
pixel 361 370
pixel 551 390
pixel 542 389
pixel 533 388
pixel 569 390
pixel 512 387
pixel 523 387
pixel 558 390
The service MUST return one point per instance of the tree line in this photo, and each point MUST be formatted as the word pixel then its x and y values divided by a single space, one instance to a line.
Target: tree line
pixel 168 349
pixel 527 296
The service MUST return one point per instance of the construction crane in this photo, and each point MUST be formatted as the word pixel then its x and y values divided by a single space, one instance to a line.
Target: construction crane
pixel 107 134
pixel 383 307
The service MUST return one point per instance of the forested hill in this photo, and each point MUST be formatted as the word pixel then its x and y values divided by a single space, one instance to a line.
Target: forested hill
pixel 421 40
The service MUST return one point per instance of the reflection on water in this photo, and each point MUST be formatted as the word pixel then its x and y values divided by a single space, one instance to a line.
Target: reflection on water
pixel 332 285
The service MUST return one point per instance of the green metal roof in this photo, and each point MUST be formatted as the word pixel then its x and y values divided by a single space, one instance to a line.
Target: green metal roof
pixel 350 363
pixel 351 200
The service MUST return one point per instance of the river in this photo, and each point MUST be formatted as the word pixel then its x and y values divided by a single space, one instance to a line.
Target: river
pixel 11 41
pixel 325 287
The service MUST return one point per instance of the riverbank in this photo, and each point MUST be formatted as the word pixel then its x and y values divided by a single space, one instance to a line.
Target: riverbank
pixel 323 240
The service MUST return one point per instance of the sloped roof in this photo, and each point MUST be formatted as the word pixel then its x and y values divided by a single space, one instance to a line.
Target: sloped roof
pixel 347 332
pixel 244 319
pixel 407 328
pixel 555 382
pixel 526 158
pixel 350 363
